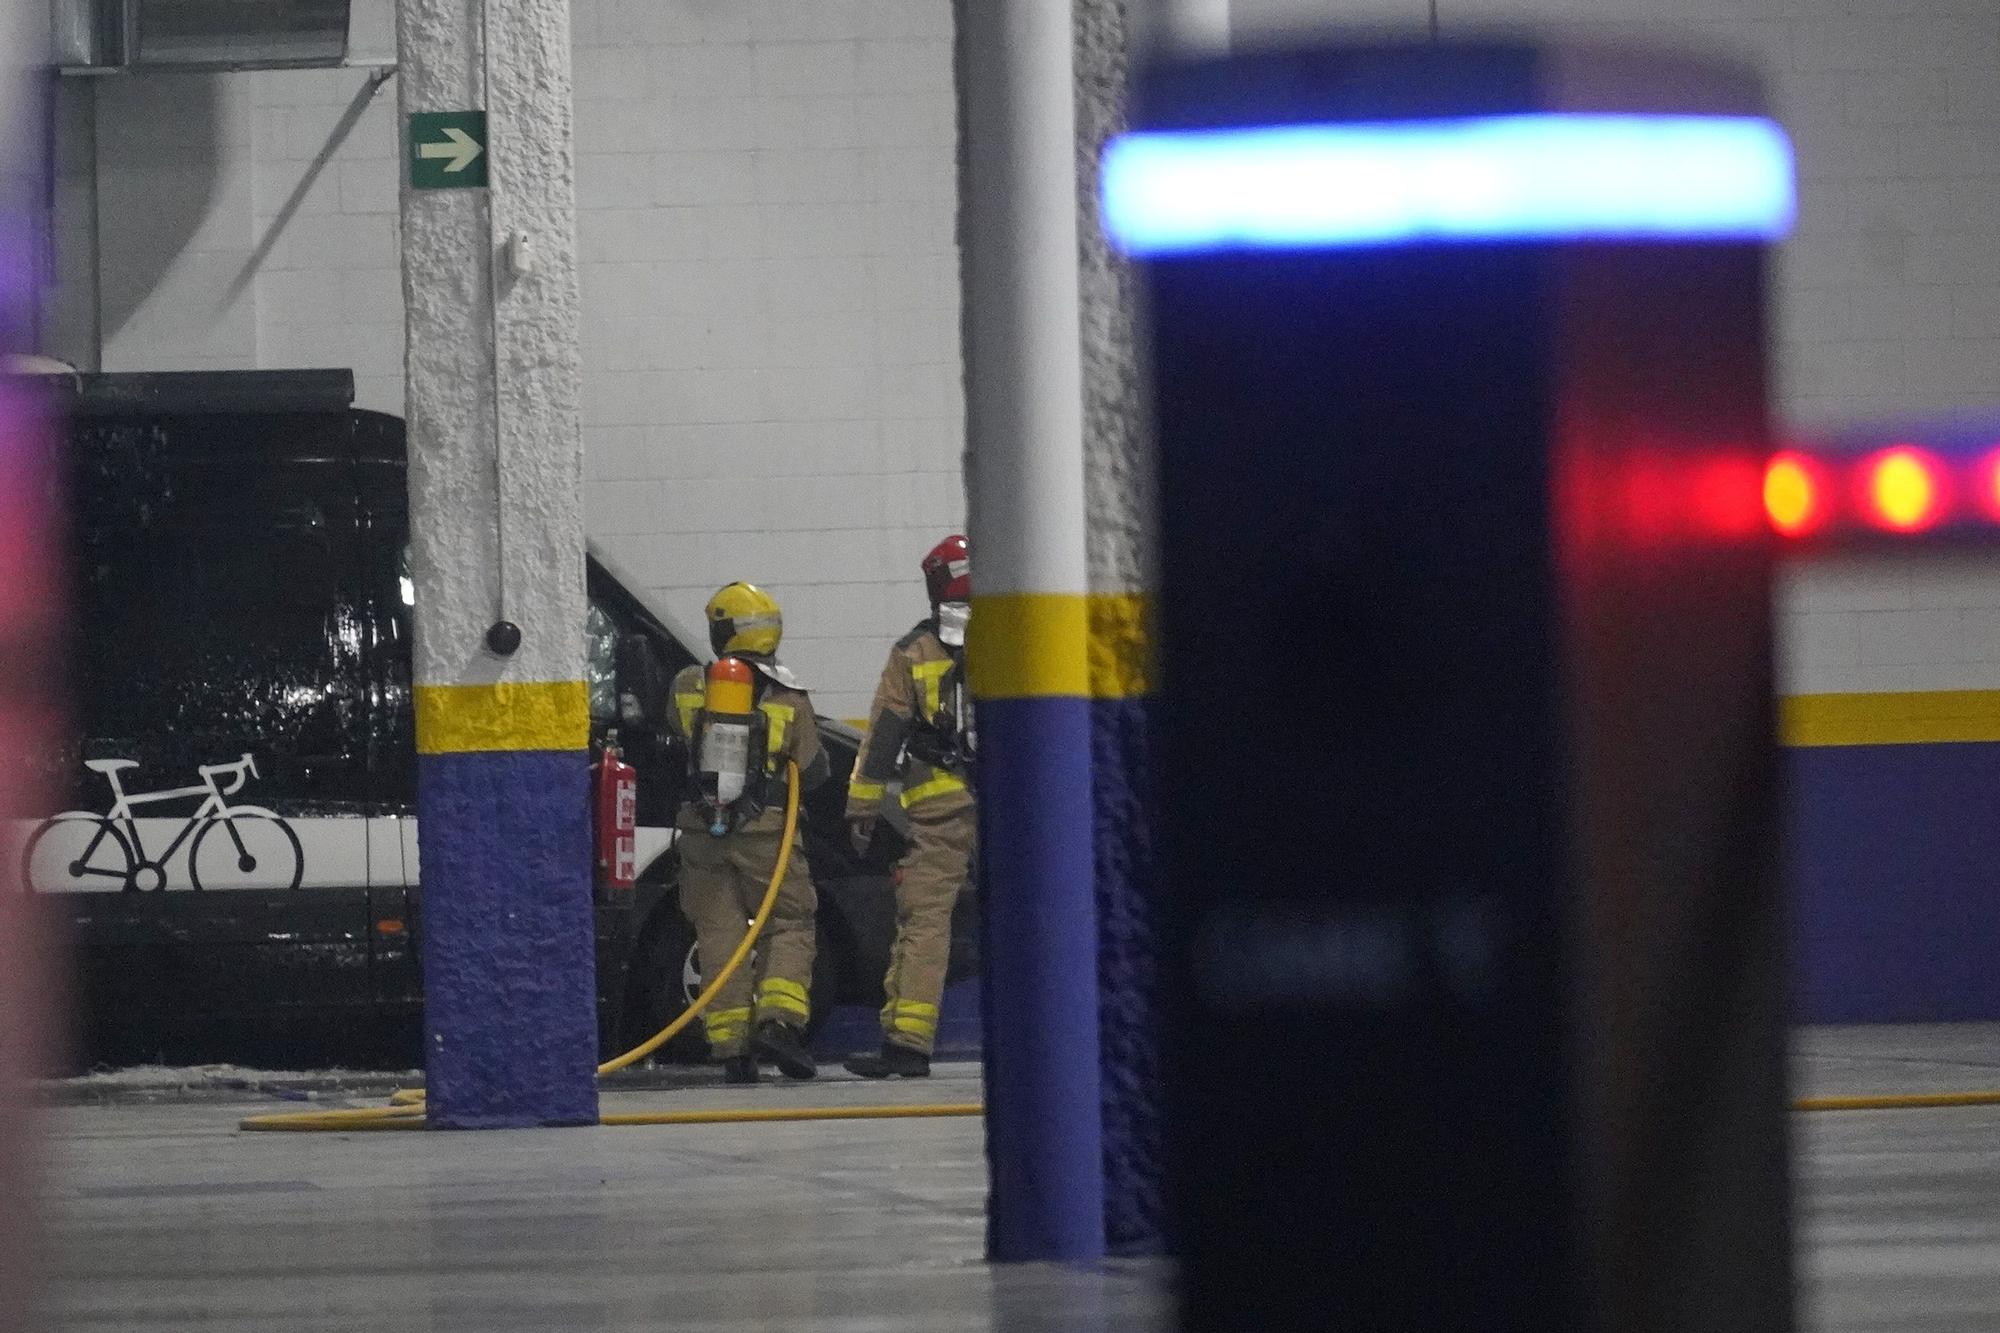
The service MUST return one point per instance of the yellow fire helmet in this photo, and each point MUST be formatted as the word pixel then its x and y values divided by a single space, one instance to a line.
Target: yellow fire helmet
pixel 743 618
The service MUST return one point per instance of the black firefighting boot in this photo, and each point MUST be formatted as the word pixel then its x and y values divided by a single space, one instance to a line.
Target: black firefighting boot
pixel 892 1059
pixel 740 1069
pixel 784 1046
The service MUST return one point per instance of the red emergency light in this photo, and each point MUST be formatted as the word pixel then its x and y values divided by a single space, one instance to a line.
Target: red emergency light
pixel 1986 487
pixel 1795 494
pixel 1904 489
pixel 1890 486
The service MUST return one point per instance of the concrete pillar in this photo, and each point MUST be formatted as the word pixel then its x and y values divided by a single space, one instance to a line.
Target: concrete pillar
pixel 490 285
pixel 1027 654
pixel 1119 497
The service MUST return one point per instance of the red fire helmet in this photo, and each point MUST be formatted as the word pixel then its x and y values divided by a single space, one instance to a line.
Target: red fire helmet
pixel 948 571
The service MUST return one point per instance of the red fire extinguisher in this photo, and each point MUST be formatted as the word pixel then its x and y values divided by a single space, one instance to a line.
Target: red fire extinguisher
pixel 617 811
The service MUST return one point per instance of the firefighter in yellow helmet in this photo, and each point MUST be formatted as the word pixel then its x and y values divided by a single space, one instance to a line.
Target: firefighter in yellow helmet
pixel 920 735
pixel 729 848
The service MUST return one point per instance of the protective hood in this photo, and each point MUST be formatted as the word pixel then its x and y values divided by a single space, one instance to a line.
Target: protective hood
pixel 952 618
pixel 773 670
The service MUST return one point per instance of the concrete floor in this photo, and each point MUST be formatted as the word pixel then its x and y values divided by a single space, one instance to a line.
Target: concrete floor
pixel 1898 1214
pixel 166 1218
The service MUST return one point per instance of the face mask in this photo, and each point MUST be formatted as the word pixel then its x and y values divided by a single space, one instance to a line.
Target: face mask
pixel 951 622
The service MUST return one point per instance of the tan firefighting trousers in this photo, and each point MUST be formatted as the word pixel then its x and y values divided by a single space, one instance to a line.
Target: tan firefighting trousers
pixel 943 832
pixel 722 883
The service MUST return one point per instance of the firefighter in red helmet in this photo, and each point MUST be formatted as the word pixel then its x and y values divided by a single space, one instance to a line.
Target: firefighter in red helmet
pixel 921 738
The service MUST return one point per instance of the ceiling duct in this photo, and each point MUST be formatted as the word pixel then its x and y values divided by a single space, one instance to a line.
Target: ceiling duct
pixel 105 35
pixel 86 34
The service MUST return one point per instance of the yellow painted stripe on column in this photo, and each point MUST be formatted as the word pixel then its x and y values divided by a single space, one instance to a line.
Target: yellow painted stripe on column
pixel 1919 717
pixel 1121 645
pixel 1059 645
pixel 507 715
pixel 1028 645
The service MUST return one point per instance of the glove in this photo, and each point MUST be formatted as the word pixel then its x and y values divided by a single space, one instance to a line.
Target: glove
pixel 861 832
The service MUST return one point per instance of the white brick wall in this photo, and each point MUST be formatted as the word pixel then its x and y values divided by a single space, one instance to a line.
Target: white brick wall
pixel 174 224
pixel 1914 623
pixel 329 292
pixel 250 220
pixel 69 302
pixel 766 198
pixel 1884 301
pixel 771 360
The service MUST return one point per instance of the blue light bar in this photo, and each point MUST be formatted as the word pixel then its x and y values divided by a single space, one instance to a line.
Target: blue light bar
pixel 1554 176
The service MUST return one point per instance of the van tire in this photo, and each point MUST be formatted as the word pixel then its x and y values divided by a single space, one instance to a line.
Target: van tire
pixel 660 989
pixel 656 993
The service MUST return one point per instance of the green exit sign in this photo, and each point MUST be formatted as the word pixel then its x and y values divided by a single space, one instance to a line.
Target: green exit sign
pixel 447 150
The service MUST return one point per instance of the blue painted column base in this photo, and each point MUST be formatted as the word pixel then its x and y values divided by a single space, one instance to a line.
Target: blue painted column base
pixel 1039 966
pixel 510 1007
pixel 1895 870
pixel 1129 979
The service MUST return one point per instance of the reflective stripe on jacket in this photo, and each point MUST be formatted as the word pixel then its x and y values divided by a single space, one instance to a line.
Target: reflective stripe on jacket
pixel 917 685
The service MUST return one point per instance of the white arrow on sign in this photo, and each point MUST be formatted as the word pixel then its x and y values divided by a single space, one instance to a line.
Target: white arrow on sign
pixel 461 148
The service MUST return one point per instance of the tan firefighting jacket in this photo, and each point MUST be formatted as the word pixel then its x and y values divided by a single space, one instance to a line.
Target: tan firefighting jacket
pixel 921 703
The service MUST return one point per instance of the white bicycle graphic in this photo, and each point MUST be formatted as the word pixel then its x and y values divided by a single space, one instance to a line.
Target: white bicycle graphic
pixel 255 847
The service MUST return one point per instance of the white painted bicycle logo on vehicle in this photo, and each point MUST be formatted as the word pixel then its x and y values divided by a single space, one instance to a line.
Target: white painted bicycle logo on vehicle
pixel 228 846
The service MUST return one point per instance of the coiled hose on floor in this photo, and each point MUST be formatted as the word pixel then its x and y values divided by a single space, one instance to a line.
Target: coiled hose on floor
pixel 406 1107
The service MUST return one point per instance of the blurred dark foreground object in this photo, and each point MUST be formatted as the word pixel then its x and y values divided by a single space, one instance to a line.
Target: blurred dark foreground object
pixel 1461 404
pixel 29 703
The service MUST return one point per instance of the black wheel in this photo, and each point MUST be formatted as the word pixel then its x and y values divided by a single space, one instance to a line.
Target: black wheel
pixel 246 849
pixel 77 850
pixel 659 992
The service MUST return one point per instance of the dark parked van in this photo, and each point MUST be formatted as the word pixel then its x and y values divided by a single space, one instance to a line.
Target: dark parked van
pixel 240 671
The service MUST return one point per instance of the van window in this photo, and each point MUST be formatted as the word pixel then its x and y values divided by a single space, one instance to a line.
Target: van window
pixel 221 614
pixel 600 664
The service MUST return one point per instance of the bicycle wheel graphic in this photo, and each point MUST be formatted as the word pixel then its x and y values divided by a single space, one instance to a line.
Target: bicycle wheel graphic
pixel 77 850
pixel 246 848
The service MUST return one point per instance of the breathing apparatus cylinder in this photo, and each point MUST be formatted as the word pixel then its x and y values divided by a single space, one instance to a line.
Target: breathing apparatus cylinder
pixel 731 755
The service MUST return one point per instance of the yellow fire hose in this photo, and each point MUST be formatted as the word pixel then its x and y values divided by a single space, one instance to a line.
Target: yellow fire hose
pixel 373 1119
pixel 1903 1101
pixel 406 1106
